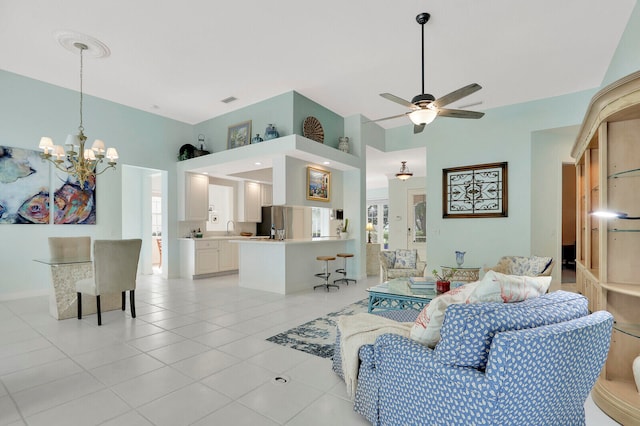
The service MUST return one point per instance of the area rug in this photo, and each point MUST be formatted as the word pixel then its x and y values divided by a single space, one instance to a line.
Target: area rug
pixel 317 337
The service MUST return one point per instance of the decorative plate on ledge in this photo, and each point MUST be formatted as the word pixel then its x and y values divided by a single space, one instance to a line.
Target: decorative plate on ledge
pixel 312 129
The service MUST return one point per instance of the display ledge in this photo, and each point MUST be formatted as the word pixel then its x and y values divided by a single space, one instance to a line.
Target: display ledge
pixel 628 289
pixel 625 173
pixel 630 329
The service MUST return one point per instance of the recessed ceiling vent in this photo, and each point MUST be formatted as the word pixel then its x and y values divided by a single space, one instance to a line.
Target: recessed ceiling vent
pixel 229 99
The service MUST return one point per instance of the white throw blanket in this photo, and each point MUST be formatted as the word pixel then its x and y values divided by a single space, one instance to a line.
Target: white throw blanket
pixel 363 329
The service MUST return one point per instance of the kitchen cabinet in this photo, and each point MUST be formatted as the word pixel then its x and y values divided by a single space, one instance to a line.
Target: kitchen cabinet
pixel 607 155
pixel 227 256
pixel 201 258
pixel 249 202
pixel 267 194
pixel 206 257
pixel 196 197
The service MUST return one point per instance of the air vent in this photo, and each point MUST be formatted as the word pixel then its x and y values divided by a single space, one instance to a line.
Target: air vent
pixel 229 99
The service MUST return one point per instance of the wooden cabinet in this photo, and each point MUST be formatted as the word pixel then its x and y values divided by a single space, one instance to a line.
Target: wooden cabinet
pixel 607 153
pixel 196 196
pixel 227 256
pixel 249 202
pixel 267 194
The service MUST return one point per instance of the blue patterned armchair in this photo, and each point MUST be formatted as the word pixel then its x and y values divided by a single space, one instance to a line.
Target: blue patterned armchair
pixel 527 363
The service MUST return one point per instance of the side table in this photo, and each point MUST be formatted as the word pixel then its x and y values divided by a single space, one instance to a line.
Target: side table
pixel 462 274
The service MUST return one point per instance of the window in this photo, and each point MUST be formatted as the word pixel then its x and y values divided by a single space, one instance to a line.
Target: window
pixel 378 214
pixel 320 222
pixel 156 215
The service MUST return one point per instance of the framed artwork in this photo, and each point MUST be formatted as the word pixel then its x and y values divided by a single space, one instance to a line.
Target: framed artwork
pixel 239 135
pixel 318 184
pixel 475 191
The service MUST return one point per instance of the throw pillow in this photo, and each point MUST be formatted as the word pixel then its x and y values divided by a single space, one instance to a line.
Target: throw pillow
pixel 539 264
pixel 426 328
pixel 494 287
pixel 405 259
pixel 389 258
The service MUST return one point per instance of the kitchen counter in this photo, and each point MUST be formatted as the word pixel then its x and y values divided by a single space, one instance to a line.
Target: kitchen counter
pixel 263 240
pixel 287 266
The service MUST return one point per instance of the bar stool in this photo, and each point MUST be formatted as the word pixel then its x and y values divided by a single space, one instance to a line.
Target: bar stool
pixel 326 274
pixel 343 271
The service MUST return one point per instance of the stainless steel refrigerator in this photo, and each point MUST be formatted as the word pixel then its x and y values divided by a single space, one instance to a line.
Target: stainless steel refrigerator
pixel 278 216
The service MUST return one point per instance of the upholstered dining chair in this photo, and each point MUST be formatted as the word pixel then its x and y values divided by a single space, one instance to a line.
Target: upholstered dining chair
pixel 70 247
pixel 115 265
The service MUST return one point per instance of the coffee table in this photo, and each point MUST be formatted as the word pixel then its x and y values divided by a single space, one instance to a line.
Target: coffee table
pixel 396 294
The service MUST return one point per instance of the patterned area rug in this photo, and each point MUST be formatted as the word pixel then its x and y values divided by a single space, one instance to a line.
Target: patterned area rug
pixel 317 337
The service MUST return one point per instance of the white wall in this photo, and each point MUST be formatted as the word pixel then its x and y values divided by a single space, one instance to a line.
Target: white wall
pixel 31 109
pixel 549 150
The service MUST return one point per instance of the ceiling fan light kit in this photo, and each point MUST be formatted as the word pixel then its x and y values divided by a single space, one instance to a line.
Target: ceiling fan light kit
pixel 425 107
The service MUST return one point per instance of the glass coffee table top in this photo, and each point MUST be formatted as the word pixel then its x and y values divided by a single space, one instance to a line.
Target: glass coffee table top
pixel 401 287
pixel 397 294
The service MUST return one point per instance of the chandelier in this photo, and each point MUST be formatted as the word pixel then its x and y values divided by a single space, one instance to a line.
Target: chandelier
pixel 83 163
pixel 404 172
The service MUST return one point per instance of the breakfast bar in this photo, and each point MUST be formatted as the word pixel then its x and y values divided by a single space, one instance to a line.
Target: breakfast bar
pixel 285 266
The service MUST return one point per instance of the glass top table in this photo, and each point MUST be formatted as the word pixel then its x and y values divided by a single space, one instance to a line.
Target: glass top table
pixel 397 294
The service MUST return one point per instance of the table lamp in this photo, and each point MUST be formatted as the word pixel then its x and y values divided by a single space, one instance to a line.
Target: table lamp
pixel 369 229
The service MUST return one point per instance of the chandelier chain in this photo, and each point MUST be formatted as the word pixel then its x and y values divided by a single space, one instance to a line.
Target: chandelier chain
pixel 81 128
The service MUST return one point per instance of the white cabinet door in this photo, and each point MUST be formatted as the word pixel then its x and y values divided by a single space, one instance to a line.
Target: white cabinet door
pixel 197 197
pixel 228 256
pixel 267 194
pixel 206 257
pixel 249 202
pixel 207 261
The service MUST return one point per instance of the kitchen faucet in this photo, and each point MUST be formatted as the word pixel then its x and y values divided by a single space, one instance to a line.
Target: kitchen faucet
pixel 234 225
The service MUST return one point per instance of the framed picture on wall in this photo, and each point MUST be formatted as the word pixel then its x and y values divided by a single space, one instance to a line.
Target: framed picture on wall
pixel 318 184
pixel 239 135
pixel 475 191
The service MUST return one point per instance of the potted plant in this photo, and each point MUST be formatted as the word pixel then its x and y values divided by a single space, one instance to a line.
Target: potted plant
pixel 443 281
pixel 344 230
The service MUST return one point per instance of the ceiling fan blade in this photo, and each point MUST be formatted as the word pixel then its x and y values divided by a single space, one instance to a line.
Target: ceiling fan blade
pixel 398 100
pixel 418 128
pixel 385 118
pixel 457 94
pixel 459 113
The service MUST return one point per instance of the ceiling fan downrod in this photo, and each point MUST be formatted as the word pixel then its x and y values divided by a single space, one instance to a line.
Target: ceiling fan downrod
pixel 422 19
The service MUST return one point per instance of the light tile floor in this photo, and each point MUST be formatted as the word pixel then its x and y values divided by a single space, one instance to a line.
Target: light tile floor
pixel 196 355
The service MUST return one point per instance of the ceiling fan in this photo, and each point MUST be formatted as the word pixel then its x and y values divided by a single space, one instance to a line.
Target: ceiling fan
pixel 425 107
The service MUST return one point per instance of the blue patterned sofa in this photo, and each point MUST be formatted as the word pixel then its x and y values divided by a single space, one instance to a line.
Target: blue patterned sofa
pixel 527 363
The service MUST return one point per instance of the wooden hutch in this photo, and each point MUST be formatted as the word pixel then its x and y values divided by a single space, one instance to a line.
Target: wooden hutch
pixel 607 153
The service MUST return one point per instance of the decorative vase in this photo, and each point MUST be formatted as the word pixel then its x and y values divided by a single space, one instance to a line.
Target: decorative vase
pixel 271 132
pixel 636 372
pixel 443 286
pixel 257 138
pixel 343 144
pixel 460 257
pixel 344 235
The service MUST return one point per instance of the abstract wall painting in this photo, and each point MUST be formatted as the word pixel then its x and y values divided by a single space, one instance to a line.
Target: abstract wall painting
pixel 24 192
pixel 475 191
pixel 73 204
pixel 24 187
